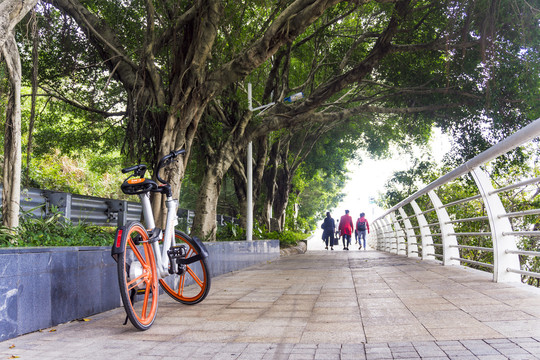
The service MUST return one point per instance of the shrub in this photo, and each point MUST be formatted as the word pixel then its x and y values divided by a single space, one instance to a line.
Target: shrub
pixel 287 238
pixel 54 230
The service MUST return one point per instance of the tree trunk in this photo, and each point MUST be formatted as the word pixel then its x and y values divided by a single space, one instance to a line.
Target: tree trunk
pixel 11 12
pixel 281 199
pixel 35 42
pixel 240 188
pixel 240 176
pixel 270 184
pixel 204 223
pixel 11 193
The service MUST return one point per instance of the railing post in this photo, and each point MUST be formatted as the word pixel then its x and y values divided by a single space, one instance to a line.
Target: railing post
pixel 387 237
pixel 425 232
pixel 378 233
pixel 449 242
pixel 412 248
pixel 499 225
pixel 62 201
pixel 399 235
pixel 117 210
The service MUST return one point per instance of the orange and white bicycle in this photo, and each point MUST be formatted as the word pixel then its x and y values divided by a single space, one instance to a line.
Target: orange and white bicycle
pixel 146 255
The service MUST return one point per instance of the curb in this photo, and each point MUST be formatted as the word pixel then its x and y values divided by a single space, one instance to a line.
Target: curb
pixel 301 248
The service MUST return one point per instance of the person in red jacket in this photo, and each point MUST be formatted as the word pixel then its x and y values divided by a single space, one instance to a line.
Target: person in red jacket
pixel 346 227
pixel 362 227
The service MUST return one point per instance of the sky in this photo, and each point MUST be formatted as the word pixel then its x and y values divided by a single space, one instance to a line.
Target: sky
pixel 368 179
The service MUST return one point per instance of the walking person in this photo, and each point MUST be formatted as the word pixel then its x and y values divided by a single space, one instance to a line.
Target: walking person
pixel 329 228
pixel 362 227
pixel 346 227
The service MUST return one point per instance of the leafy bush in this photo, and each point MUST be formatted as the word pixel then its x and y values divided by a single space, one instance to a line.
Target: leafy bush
pixel 287 238
pixel 54 230
pixel 230 232
pixel 235 232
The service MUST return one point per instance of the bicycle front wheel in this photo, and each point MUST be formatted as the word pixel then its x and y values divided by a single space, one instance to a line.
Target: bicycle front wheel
pixel 137 277
pixel 192 283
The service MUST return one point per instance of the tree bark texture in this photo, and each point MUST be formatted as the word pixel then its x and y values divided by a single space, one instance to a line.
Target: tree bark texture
pixel 11 193
pixel 11 13
pixel 204 222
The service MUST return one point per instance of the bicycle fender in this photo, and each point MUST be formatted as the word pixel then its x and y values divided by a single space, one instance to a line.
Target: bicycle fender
pixel 197 243
pixel 119 240
pixel 202 248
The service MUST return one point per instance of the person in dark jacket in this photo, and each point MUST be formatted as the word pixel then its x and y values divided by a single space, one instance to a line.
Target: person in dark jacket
pixel 329 227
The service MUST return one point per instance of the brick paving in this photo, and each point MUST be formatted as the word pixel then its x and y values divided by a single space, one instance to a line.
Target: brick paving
pixel 318 305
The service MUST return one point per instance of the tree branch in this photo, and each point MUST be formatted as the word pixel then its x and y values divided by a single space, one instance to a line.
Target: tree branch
pixel 51 93
pixel 286 27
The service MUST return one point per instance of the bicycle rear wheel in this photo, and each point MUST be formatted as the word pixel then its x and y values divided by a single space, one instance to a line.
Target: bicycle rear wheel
pixel 137 277
pixel 193 283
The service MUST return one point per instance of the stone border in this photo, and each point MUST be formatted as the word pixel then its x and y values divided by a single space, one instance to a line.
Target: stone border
pixel 301 248
pixel 44 287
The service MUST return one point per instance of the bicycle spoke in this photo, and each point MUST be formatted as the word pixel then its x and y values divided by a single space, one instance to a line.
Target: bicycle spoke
pixel 145 303
pixel 136 252
pixel 181 282
pixel 195 277
pixel 135 282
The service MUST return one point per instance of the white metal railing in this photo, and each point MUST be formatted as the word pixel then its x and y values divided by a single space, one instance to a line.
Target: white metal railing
pixel 424 226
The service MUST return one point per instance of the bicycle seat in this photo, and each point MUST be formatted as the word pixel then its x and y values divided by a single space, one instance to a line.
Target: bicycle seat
pixel 138 186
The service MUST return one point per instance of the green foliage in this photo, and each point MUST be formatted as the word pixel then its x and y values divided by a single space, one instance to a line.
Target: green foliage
pixel 234 232
pixel 287 238
pixel 54 230
pixel 84 175
pixel 230 232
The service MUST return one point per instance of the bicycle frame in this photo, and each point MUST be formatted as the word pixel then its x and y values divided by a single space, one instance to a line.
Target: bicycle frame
pixel 162 259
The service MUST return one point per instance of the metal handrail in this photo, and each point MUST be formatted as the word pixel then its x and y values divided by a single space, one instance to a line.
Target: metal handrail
pixel 501 230
pixel 523 252
pixel 527 133
pixel 523 272
pixel 478 218
pixel 473 262
pixel 472 247
pixel 517 185
pixel 464 200
pixel 521 213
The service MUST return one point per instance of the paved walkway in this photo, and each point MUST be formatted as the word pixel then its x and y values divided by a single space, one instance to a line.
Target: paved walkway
pixel 319 305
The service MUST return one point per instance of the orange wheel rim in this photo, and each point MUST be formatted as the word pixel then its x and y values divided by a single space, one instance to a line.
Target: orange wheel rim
pixel 146 314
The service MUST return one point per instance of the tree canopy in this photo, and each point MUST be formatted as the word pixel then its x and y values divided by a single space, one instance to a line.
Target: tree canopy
pixel 174 74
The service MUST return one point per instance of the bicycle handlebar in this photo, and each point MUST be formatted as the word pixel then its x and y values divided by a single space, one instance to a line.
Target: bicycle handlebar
pixel 139 170
pixel 134 168
pixel 166 160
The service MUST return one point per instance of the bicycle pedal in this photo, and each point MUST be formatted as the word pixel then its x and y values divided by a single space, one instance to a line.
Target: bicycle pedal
pixel 177 252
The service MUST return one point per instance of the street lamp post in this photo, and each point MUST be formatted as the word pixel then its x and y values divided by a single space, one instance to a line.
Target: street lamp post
pixel 249 167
